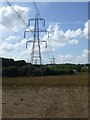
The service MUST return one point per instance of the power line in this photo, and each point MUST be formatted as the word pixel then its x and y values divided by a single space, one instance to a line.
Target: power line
pixel 29 30
pixel 19 16
pixel 36 57
pixel 38 13
pixel 7 27
pixel 43 23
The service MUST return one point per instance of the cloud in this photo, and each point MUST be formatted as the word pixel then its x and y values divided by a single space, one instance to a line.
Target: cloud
pixel 74 41
pixel 14 50
pixel 64 58
pixel 79 33
pixel 11 38
pixel 86 30
pixel 18 51
pixel 68 58
pixel 58 38
pixel 10 18
pixel 73 34
pixel 14 46
pixel 84 57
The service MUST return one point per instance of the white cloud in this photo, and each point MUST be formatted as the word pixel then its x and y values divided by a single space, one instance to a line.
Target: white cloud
pixel 12 44
pixel 86 30
pixel 15 51
pixel 18 51
pixel 64 58
pixel 6 47
pixel 85 54
pixel 73 34
pixel 10 18
pixel 74 41
pixel 11 38
pixel 84 57
pixel 79 33
pixel 68 58
pixel 58 38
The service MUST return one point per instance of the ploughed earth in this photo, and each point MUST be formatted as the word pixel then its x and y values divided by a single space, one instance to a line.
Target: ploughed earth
pixel 45 102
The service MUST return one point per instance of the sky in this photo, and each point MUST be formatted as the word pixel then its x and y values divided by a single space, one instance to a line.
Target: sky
pixel 67 23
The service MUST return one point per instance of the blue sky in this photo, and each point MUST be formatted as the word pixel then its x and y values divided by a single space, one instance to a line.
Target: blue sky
pixel 66 21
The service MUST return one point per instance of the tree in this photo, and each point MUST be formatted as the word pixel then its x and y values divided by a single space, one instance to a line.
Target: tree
pixel 11 71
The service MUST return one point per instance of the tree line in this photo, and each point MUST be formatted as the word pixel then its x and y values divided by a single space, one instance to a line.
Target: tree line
pixel 13 68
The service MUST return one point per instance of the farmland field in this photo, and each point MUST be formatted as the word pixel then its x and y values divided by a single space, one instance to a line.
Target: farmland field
pixel 45 97
pixel 73 80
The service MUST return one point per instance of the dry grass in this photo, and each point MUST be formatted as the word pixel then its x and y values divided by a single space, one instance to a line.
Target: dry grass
pixel 74 80
pixel 45 97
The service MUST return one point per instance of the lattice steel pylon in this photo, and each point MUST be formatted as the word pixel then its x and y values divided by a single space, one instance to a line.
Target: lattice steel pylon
pixel 36 57
pixel 52 60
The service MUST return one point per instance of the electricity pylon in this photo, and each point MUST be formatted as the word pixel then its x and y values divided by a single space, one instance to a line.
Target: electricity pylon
pixel 53 60
pixel 36 49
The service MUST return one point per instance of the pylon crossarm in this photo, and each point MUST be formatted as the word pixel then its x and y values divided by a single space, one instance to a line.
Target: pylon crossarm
pixel 45 42
pixel 43 20
pixel 36 49
pixel 27 32
pixel 28 42
pixel 29 21
pixel 42 30
pixel 45 31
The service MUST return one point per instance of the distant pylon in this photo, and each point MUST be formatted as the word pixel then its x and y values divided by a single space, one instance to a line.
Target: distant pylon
pixel 36 50
pixel 53 60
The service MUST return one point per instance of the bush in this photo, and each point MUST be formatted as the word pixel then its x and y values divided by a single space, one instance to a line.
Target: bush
pixel 10 71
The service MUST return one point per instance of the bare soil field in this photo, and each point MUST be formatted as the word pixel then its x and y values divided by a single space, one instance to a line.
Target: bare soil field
pixel 56 100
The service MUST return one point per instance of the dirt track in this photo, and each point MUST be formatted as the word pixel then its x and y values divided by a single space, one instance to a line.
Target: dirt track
pixel 45 102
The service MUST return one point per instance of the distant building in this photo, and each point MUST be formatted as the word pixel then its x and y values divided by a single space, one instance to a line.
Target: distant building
pixel 75 72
